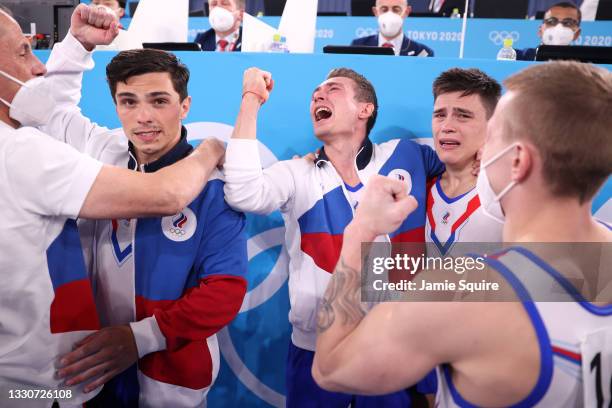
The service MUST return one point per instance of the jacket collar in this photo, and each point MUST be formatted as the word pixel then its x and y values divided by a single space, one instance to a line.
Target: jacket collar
pixel 363 156
pixel 179 151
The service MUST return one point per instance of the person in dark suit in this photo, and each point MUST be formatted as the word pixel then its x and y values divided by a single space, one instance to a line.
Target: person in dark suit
pixel 225 19
pixel 391 15
pixel 561 26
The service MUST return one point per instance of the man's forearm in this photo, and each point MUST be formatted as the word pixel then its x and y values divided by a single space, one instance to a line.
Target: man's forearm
pixel 246 123
pixel 192 173
pixel 341 309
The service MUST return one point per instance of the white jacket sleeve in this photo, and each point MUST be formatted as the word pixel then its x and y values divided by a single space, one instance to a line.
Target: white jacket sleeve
pixel 248 187
pixel 65 68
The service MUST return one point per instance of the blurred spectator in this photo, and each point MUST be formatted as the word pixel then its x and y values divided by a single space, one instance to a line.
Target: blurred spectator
pixel 118 6
pixel 561 26
pixel 226 33
pixel 391 15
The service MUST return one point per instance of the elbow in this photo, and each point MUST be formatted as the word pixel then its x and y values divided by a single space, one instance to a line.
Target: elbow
pixel 323 376
pixel 172 199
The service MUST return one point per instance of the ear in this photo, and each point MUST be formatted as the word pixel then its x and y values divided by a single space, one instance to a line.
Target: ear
pixel 185 106
pixel 577 34
pixel 522 161
pixel 367 109
pixel 407 11
pixel 375 11
pixel 540 30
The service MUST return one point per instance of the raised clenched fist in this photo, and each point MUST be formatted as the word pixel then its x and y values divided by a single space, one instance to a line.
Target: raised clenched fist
pixel 257 82
pixel 94 25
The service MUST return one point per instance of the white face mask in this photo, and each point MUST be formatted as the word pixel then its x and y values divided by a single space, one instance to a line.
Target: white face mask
pixel 558 35
pixel 488 199
pixel 390 24
pixel 32 105
pixel 221 19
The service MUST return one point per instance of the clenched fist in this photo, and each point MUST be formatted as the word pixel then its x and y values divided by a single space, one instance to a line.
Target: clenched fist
pixel 384 205
pixel 94 25
pixel 257 82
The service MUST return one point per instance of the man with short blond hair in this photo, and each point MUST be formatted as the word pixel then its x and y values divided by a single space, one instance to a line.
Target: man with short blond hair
pixel 543 161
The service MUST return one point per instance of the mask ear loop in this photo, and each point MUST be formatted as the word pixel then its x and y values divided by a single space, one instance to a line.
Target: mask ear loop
pixel 499 154
pixel 12 78
pixel 5 102
pixel 493 159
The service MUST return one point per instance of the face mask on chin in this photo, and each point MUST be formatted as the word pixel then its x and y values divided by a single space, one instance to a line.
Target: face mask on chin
pixel 390 24
pixel 558 35
pixel 489 200
pixel 33 104
pixel 221 20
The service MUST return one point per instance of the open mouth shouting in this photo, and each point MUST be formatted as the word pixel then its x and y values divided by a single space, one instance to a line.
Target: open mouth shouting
pixel 322 113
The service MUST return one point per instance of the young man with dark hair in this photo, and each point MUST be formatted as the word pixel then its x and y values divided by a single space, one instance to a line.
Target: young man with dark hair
pixel 464 100
pixel 47 302
pixel 163 285
pixel 225 34
pixel 550 347
pixel 561 26
pixel 317 201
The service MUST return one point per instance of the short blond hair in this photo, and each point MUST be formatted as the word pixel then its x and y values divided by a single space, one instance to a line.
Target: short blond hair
pixel 565 110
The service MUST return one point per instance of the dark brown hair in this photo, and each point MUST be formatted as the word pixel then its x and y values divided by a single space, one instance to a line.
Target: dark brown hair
pixel 130 63
pixel 364 91
pixel 567 4
pixel 468 82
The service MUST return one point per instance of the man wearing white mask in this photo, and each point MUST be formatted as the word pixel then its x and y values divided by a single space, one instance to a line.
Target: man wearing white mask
pixel 561 26
pixel 391 15
pixel 225 18
pixel 46 298
pixel 550 345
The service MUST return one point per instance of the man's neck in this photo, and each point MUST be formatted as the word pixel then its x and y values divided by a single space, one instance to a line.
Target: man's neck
pixel 457 180
pixel 342 154
pixel 551 219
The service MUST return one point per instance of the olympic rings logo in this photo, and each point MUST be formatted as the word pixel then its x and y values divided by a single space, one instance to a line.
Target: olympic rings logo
pixel 365 32
pixel 498 37
pixel 177 231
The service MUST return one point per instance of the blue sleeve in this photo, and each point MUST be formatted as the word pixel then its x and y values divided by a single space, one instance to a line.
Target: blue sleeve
pixel 429 51
pixel 223 248
pixel 429 384
pixel 433 165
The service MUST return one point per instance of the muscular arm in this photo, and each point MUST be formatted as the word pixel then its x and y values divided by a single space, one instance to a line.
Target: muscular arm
pixel 358 352
pixel 385 350
pixel 121 193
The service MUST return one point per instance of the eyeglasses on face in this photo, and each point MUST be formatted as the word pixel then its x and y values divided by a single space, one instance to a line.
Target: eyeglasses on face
pixel 566 22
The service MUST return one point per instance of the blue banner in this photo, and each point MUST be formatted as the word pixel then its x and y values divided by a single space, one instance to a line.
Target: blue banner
pixel 255 344
pixel 484 37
